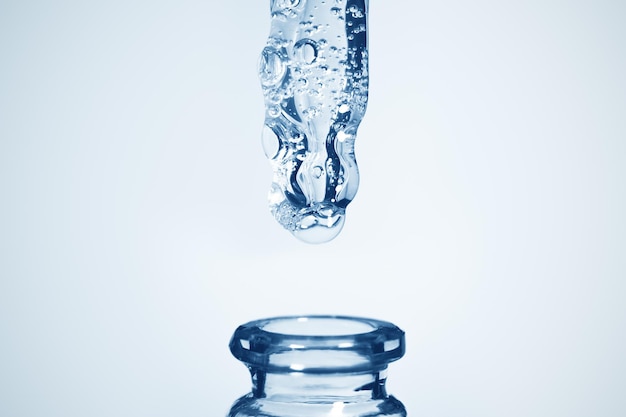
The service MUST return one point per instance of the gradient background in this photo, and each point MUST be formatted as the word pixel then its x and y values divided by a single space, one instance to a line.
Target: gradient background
pixel 489 225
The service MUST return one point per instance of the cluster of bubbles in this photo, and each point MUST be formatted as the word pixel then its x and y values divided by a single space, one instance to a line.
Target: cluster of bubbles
pixel 313 71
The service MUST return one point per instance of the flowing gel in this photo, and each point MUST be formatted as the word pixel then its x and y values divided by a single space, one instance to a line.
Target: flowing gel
pixel 313 71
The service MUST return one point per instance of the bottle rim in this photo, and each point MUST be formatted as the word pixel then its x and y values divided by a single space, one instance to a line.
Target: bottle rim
pixel 318 344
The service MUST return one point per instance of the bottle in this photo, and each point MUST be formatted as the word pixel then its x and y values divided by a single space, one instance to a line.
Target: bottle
pixel 317 365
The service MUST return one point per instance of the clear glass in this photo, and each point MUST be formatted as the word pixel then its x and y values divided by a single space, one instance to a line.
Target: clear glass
pixel 314 75
pixel 316 366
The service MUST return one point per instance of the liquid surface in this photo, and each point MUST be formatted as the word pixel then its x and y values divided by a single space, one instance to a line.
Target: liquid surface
pixel 313 71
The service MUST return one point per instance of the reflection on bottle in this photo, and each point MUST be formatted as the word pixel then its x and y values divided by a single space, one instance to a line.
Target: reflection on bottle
pixel 313 72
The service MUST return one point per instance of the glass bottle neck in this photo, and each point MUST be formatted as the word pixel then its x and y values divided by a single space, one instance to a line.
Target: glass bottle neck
pixel 291 386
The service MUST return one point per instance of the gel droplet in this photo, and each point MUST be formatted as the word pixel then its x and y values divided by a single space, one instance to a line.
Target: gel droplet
pixel 315 92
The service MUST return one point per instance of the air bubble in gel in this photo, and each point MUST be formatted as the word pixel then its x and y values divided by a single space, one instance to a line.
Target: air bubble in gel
pixel 313 72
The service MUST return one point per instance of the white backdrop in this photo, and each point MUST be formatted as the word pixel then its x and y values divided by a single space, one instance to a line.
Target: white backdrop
pixel 489 225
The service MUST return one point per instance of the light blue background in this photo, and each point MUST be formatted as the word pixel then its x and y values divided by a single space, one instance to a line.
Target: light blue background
pixel 489 225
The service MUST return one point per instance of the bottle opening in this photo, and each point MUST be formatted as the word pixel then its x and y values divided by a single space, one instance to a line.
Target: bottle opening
pixel 318 344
